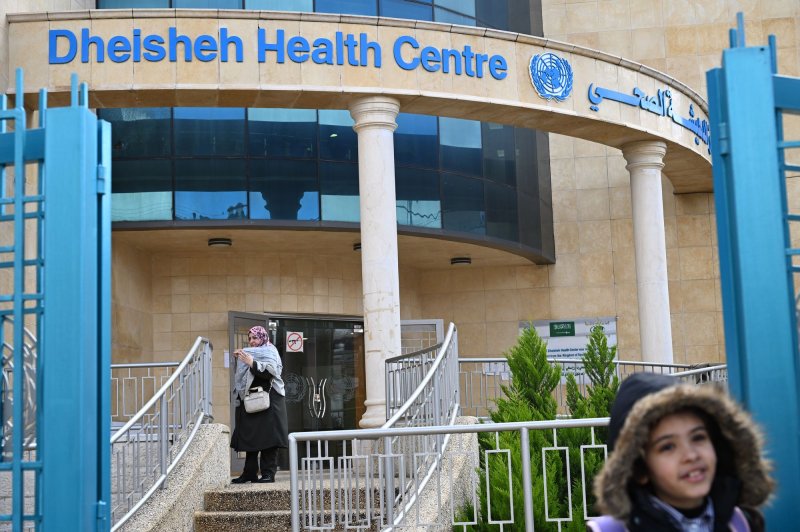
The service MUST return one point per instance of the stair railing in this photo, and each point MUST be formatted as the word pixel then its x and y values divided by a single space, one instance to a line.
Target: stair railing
pixel 421 391
pixel 151 444
pixel 380 475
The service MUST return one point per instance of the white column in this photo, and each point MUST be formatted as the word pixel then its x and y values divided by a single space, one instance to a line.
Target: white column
pixel 375 124
pixel 645 161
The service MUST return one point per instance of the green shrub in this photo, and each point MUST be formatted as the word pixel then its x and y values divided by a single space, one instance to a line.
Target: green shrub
pixel 529 397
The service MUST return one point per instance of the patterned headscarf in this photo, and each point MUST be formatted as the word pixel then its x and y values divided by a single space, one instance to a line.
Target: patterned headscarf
pixel 261 333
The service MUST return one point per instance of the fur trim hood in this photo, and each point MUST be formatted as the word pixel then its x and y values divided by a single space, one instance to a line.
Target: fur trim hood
pixel 642 400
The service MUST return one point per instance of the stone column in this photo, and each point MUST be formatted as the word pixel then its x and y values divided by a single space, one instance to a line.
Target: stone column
pixel 375 124
pixel 645 161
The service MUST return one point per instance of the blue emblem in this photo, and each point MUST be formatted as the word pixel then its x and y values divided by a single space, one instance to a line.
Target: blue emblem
pixel 551 76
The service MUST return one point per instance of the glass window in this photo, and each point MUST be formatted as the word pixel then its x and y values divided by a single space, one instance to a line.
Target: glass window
pixel 461 145
pixel 415 141
pixel 348 7
pixel 411 9
pixel 281 5
pixel 282 133
pixel 284 190
pixel 462 204
pixel 209 131
pixel 210 189
pixel 128 4
pixel 418 197
pixel 492 15
pixel 337 139
pixel 501 212
pixel 499 153
pixel 455 12
pixel 141 190
pixel 208 4
pixel 139 132
pixel 338 184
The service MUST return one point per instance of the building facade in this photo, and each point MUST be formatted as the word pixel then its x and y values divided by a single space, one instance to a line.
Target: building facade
pixel 264 154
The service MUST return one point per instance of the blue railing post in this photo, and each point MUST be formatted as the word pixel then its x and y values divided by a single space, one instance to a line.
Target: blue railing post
pixel 755 259
pixel 74 437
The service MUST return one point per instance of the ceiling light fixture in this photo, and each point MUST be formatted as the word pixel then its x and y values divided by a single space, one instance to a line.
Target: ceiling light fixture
pixel 460 260
pixel 220 242
pixel 357 246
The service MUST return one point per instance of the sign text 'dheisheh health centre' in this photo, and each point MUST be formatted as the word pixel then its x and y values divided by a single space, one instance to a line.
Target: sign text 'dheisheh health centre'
pixel 66 46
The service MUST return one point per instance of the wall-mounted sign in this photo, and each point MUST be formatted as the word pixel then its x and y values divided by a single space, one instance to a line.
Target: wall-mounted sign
pixel 294 342
pixel 659 104
pixel 568 338
pixel 343 48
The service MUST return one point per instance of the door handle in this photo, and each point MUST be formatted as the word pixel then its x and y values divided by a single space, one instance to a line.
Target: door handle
pixel 317 404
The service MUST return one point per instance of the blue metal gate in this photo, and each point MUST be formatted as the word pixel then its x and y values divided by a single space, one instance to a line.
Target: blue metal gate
pixel 747 102
pixel 55 313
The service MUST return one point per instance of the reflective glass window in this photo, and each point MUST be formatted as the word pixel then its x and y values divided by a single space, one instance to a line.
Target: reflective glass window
pixel 337 139
pixel 282 133
pixel 501 211
pixel 128 4
pixel 141 190
pixel 412 9
pixel 499 157
pixel 209 131
pixel 139 132
pixel 281 5
pixel 208 4
pixel 418 197
pixel 415 141
pixel 284 190
pixel 338 185
pixel 460 142
pixel 455 12
pixel 349 7
pixel 210 189
pixel 492 15
pixel 463 204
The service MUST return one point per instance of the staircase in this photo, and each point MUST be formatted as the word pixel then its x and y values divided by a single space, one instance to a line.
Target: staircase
pixel 263 507
pixel 258 507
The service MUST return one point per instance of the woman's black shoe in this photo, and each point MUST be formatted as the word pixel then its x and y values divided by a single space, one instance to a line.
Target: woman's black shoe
pixel 267 478
pixel 242 479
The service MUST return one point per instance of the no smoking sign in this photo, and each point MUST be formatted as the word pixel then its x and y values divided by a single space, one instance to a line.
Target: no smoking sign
pixel 294 342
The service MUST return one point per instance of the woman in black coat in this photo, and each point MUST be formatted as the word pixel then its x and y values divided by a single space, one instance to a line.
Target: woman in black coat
pixel 266 431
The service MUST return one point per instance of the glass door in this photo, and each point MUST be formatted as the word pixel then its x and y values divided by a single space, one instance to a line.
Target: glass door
pixel 323 370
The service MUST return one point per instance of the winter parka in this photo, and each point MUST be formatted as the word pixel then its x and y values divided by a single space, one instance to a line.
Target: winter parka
pixel 742 476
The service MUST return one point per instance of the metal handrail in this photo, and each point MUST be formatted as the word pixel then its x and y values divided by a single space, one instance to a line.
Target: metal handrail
pixel 157 397
pixel 151 444
pixel 443 348
pixel 480 386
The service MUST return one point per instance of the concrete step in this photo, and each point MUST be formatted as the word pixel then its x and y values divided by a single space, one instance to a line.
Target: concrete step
pixel 265 521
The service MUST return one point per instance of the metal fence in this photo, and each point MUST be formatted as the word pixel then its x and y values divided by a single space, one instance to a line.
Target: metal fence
pixel 481 380
pixel 503 480
pixel 132 385
pixel 152 442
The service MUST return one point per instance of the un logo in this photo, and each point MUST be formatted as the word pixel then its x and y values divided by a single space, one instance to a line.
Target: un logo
pixel 551 76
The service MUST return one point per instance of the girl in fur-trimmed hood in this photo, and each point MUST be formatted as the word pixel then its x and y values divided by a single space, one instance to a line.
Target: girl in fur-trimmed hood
pixel 683 457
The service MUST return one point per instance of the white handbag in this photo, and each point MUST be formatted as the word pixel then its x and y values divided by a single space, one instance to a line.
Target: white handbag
pixel 256 399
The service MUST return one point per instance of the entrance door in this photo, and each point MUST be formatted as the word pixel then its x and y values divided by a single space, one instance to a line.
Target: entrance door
pixel 323 370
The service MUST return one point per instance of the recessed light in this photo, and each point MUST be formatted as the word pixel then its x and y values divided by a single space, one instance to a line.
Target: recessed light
pixel 460 260
pixel 357 246
pixel 220 242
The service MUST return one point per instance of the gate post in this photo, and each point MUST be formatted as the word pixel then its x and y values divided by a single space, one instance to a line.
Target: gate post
pixel 755 255
pixel 75 434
